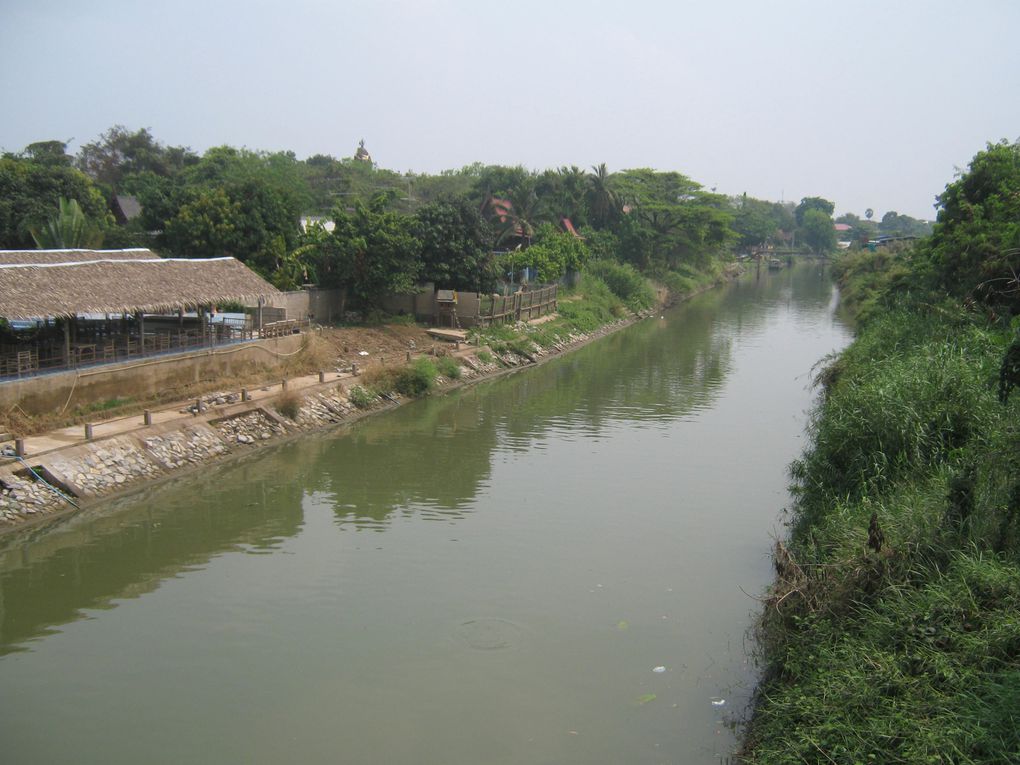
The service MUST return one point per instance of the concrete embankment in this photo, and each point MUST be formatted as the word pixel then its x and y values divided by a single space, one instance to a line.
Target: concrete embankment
pixel 61 473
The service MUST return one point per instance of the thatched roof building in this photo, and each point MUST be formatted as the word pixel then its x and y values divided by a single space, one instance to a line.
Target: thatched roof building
pixel 128 282
pixel 73 256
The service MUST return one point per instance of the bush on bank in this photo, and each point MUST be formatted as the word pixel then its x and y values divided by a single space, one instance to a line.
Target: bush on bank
pixel 892 633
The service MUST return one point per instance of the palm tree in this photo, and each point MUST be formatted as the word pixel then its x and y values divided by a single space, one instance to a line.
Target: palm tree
pixel 69 229
pixel 603 205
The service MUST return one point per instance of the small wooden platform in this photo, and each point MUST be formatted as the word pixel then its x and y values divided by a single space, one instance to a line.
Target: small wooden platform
pixel 449 335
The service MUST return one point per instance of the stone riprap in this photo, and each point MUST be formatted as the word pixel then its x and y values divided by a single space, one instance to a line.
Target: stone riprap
pixel 101 468
pixel 249 429
pixel 21 499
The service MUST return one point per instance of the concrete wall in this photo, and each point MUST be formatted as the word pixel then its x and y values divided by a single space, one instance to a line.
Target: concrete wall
pixel 144 377
pixel 322 305
pixel 424 307
pixel 326 305
pixel 295 303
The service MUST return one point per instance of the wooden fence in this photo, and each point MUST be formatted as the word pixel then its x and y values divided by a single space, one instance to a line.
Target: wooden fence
pixel 520 306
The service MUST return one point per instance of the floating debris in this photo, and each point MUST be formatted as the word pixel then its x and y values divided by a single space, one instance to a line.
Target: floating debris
pixel 658 670
pixel 717 702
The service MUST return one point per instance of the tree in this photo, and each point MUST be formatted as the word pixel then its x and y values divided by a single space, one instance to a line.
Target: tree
pixel 454 243
pixel 119 152
pixel 372 251
pixel 818 231
pixel 69 229
pixel 812 203
pixel 603 205
pixel 48 153
pixel 243 220
pixel 206 226
pixel 561 194
pixel 683 224
pixel 975 246
pixel 757 221
pixel 30 192
pixel 894 224
pixel 515 224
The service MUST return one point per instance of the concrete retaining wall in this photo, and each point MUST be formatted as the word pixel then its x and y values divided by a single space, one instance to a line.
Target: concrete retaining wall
pixel 144 377
pixel 295 303
pixel 320 304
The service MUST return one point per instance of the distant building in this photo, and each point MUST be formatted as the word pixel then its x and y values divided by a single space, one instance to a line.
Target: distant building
pixel 307 221
pixel 362 154
pixel 126 208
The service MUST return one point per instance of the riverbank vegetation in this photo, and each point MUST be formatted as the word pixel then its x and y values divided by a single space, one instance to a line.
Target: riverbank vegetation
pixel 350 222
pixel 892 633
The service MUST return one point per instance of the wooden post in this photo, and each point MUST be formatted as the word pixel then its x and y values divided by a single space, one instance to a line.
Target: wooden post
pixel 141 331
pixel 284 383
pixel 67 342
pixel 88 431
pixel 408 355
pixel 147 417
pixel 354 370
pixel 19 447
pixel 244 394
pixel 198 407
pixel 322 376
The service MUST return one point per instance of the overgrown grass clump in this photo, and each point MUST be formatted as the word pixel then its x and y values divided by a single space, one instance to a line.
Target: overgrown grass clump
pixel 289 404
pixel 360 397
pixel 686 279
pixel 416 380
pixel 924 671
pixel 104 407
pixel 598 307
pixel 448 367
pixel 624 281
pixel 892 633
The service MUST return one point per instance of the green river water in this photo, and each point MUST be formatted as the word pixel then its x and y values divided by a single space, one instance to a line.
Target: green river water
pixel 492 576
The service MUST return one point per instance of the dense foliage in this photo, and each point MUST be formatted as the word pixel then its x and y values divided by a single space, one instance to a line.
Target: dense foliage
pixel 892 633
pixel 307 221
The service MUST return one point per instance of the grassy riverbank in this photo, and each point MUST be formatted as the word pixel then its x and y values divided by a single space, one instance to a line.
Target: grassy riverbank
pixel 892 633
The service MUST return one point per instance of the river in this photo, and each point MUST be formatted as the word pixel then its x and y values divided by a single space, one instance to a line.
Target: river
pixel 556 566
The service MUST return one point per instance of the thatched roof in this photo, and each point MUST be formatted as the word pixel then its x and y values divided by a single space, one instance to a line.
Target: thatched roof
pixel 73 256
pixel 33 291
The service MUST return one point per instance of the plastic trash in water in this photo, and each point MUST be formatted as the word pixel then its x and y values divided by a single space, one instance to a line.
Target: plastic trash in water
pixel 717 702
pixel 658 670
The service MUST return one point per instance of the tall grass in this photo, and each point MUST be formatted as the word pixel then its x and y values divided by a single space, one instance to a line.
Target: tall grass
pixel 624 281
pixel 907 649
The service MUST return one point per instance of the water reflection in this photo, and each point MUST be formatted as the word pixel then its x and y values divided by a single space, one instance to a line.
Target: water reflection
pixel 431 460
pixel 128 548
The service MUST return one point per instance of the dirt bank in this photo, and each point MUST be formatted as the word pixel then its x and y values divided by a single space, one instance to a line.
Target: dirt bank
pixel 63 472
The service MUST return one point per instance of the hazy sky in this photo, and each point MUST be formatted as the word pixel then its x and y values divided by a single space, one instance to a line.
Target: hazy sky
pixel 870 104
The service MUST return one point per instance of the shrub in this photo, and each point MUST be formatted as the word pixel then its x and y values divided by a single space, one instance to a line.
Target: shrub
pixel 417 380
pixel 484 356
pixel 625 282
pixel 289 404
pixel 448 367
pixel 360 397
